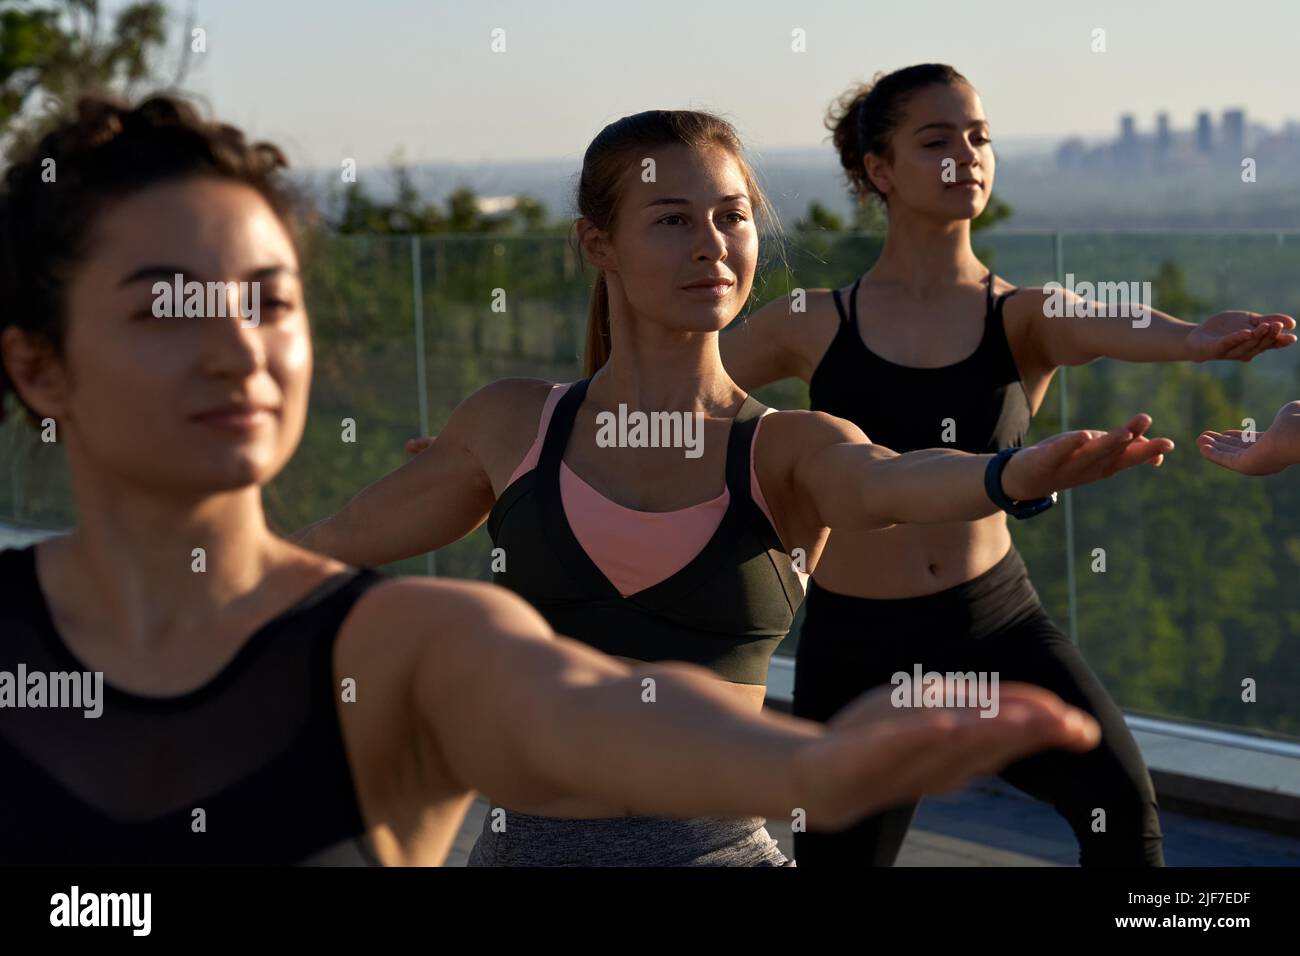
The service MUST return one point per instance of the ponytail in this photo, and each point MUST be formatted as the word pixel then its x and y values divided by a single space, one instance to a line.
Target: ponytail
pixel 605 167
pixel 598 345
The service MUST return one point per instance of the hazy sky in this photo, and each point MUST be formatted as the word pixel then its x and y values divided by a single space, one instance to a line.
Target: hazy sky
pixel 333 79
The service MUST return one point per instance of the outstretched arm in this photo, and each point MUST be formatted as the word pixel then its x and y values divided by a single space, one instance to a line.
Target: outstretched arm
pixel 439 496
pixel 1264 453
pixel 1067 330
pixel 527 717
pixel 853 484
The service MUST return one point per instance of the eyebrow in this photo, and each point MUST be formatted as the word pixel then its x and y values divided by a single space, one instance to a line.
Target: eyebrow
pixel 167 272
pixel 971 125
pixel 675 201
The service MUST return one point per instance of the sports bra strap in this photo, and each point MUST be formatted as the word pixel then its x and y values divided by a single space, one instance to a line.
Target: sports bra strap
pixel 851 317
pixel 739 438
pixel 996 311
pixel 561 424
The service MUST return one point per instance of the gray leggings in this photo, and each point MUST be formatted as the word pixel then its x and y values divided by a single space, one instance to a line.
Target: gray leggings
pixel 530 840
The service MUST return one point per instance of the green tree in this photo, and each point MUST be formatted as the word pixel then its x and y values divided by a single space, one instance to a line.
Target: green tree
pixel 995 211
pixel 820 218
pixel 359 213
pixel 1169 292
pixel 51 53
pixel 870 216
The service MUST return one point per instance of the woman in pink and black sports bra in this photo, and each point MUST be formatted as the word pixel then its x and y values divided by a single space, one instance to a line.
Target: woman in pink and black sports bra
pixel 220 690
pixel 679 549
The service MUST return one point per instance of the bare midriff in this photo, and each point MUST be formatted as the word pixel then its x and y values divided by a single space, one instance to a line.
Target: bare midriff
pixel 911 560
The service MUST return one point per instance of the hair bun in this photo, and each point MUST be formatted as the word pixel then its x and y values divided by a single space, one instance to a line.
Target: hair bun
pixel 864 119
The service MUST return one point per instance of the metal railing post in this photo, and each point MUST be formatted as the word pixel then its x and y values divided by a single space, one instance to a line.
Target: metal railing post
pixel 421 374
pixel 1058 267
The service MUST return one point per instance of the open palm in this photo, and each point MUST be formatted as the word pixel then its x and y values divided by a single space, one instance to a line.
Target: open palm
pixel 1269 452
pixel 1239 335
pixel 1080 457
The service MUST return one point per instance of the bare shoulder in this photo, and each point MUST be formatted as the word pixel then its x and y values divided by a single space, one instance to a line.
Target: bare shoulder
pixel 789 436
pixel 804 322
pixel 506 399
pixel 792 448
pixel 800 426
pixel 409 648
pixel 1020 313
pixel 396 624
pixel 821 308
pixel 797 303
pixel 1026 298
pixel 498 423
pixel 1028 302
pixel 413 610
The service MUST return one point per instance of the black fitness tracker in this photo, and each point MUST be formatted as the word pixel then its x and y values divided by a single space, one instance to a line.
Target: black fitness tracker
pixel 993 486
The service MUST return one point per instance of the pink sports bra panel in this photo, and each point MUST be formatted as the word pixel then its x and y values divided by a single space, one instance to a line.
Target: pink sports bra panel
pixel 634 549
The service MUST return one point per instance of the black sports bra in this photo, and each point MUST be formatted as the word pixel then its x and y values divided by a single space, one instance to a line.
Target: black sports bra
pixel 977 405
pixel 727 609
pixel 258 749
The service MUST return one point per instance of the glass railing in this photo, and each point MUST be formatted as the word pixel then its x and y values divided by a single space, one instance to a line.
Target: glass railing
pixel 1198 597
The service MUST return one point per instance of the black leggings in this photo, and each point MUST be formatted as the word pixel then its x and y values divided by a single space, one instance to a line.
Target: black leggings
pixel 992 623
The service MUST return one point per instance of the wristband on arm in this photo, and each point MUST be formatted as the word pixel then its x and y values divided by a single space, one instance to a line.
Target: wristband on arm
pixel 993 486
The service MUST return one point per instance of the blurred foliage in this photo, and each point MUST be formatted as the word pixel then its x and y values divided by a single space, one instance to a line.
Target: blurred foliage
pixel 819 217
pixel 354 211
pixel 52 52
pixel 870 216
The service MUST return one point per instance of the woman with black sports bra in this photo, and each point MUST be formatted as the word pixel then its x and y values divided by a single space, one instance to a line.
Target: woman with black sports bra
pixel 652 553
pixel 242 700
pixel 851 381
pixel 901 355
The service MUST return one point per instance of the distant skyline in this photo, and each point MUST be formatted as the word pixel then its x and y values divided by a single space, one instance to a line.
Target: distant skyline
pixel 364 80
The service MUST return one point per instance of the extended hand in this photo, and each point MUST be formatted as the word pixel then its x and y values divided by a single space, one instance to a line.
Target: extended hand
pixel 875 755
pixel 1081 457
pixel 1239 335
pixel 1272 449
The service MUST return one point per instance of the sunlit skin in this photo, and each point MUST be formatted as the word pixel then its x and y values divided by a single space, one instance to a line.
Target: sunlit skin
pixel 219 404
pixel 693 224
pixel 682 255
pixel 173 425
pixel 941 168
pixel 679 264
pixel 921 305
pixel 1266 452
